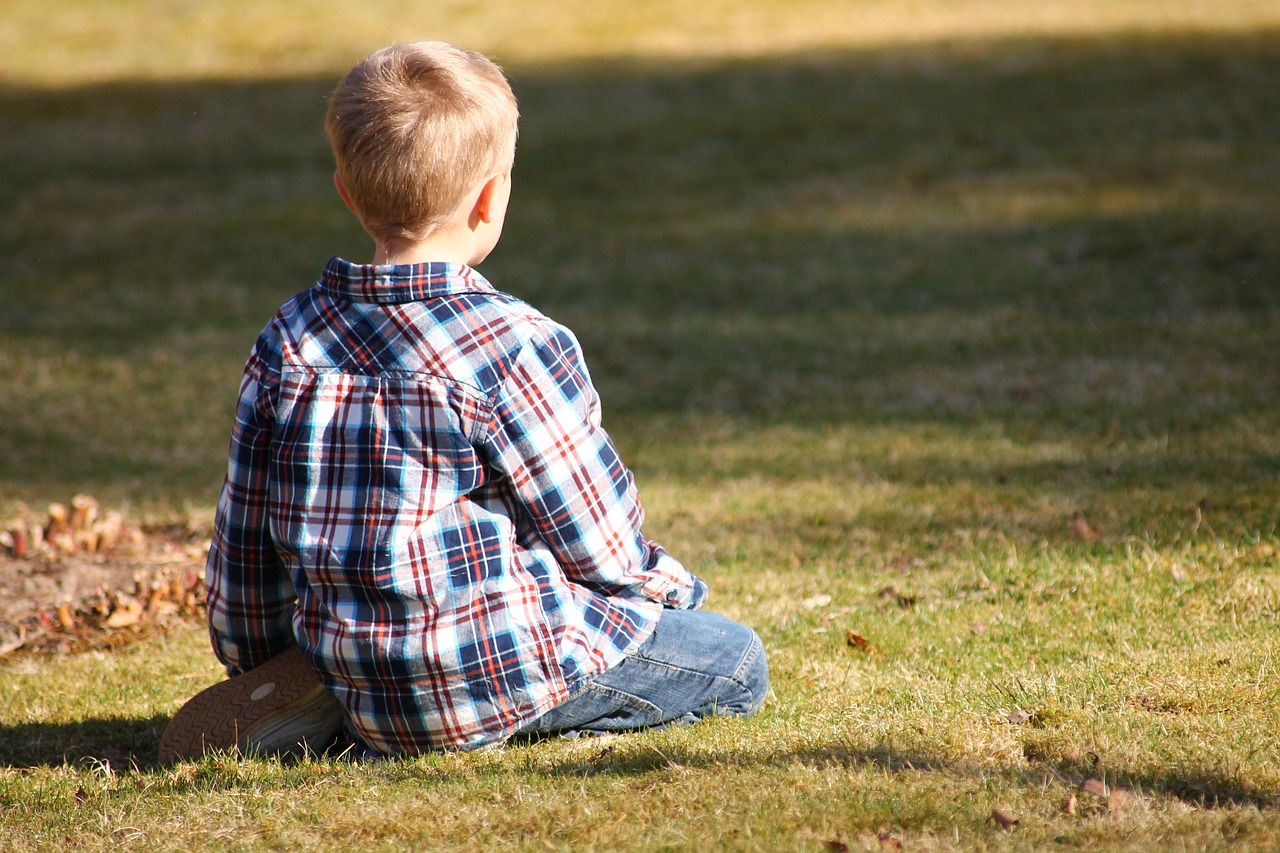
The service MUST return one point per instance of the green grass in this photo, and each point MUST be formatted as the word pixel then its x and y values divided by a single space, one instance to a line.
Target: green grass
pixel 883 304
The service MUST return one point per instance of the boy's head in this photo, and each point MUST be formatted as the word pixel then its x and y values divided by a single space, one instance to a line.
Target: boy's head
pixel 415 129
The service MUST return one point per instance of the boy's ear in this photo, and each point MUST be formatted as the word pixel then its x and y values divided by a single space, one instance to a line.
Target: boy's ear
pixel 483 208
pixel 342 191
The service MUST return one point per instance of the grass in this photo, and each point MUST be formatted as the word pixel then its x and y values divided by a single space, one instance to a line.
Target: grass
pixel 948 324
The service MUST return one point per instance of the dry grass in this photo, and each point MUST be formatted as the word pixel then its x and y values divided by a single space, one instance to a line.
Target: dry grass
pixel 942 323
pixel 146 39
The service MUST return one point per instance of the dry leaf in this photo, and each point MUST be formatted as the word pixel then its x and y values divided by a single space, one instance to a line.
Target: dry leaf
pixel 1094 786
pixel 1006 820
pixel 127 613
pixel 58 519
pixel 65 617
pixel 1083 528
pixel 906 602
pixel 857 641
pixel 1019 717
pixel 888 842
pixel 84 512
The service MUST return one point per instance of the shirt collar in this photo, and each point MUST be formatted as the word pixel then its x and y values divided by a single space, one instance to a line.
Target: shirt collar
pixel 399 283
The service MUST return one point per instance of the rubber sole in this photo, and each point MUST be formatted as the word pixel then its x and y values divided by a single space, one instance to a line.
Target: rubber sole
pixel 279 707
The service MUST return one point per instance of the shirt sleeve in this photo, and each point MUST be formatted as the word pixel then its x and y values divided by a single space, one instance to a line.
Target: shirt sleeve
pixel 250 594
pixel 570 481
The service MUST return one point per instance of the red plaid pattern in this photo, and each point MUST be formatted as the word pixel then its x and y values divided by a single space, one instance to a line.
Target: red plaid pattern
pixel 420 494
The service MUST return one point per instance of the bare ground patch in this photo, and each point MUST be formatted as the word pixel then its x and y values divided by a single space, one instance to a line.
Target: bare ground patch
pixel 76 579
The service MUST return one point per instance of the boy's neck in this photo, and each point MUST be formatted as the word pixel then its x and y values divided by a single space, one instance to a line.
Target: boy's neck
pixel 467 239
pixel 447 245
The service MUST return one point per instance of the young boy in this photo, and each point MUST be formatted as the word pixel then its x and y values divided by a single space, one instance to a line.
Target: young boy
pixel 425 534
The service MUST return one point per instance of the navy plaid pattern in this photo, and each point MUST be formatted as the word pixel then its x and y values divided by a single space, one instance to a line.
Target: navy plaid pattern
pixel 420 494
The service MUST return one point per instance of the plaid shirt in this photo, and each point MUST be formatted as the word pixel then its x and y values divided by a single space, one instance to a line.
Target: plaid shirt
pixel 420 495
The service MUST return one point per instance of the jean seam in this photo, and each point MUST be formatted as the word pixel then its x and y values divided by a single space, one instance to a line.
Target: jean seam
pixel 753 652
pixel 625 698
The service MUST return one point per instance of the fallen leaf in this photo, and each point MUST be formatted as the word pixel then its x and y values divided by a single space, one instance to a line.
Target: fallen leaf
pixel 1019 717
pixel 65 617
pixel 127 613
pixel 12 645
pixel 903 600
pixel 1094 786
pixel 58 519
pixel 1083 528
pixel 888 842
pixel 857 641
pixel 1006 820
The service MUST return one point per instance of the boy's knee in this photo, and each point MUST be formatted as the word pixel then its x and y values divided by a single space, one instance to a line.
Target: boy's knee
pixel 752 676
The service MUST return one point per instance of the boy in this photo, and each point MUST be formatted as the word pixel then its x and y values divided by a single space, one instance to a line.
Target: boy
pixel 424 533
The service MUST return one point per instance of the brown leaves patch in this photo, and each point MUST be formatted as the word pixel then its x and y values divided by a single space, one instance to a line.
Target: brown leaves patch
pixel 80 579
pixel 855 640
pixel 107 619
pixel 1004 818
pixel 78 527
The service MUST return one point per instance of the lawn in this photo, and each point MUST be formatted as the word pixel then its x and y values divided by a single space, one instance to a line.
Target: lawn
pixel 943 337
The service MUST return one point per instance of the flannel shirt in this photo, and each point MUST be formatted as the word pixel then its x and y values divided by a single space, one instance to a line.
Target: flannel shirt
pixel 421 496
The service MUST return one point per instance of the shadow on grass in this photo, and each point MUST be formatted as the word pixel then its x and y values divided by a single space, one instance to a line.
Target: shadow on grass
pixel 122 744
pixel 1103 178
pixel 1195 786
pixel 118 742
pixel 1072 236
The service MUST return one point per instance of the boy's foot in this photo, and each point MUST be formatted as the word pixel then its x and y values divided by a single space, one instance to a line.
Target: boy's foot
pixel 279 707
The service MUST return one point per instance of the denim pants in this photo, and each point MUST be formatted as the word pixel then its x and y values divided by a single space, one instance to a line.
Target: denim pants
pixel 696 664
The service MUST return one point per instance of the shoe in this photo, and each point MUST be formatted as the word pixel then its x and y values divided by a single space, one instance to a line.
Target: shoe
pixel 279 707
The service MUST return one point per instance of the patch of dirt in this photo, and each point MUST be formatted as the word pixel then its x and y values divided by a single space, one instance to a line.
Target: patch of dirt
pixel 79 579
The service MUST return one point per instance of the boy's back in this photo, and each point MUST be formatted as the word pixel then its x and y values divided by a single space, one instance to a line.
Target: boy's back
pixel 420 495
pixel 429 454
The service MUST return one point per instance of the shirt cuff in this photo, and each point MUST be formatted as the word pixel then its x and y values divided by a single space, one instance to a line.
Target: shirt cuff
pixel 686 598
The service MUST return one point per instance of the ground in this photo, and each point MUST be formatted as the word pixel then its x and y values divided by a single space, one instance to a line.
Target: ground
pixel 71 582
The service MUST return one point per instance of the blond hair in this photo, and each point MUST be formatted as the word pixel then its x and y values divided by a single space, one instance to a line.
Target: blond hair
pixel 415 128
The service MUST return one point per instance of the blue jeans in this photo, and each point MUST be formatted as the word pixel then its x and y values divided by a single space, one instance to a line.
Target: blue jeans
pixel 696 664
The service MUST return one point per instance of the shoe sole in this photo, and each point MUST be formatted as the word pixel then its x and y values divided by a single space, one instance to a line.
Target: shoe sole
pixel 280 706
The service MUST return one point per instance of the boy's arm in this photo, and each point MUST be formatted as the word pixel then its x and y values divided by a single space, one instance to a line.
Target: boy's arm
pixel 548 440
pixel 250 595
